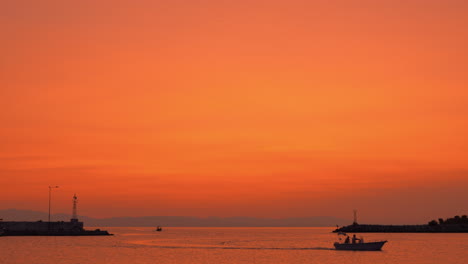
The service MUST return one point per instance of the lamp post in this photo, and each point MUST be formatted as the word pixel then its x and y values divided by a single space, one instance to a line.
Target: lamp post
pixel 50 192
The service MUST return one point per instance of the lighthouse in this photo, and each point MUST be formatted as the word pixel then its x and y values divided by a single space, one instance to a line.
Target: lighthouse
pixel 74 214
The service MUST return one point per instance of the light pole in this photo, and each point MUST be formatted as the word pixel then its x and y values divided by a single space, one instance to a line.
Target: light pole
pixel 50 192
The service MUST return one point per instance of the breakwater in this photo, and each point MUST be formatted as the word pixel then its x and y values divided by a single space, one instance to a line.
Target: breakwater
pixel 40 228
pixel 403 229
pixel 455 224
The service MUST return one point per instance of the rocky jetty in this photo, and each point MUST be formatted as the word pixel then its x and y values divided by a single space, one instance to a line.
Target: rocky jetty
pixel 456 224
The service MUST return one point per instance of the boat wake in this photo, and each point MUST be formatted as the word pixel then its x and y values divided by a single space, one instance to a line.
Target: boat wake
pixel 150 244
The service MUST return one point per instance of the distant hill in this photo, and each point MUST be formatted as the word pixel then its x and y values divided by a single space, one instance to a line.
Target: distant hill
pixel 178 221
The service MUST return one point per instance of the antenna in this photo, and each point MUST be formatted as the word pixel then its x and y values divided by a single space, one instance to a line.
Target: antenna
pixel 74 214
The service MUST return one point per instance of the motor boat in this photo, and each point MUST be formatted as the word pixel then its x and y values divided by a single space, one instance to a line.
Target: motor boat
pixel 367 246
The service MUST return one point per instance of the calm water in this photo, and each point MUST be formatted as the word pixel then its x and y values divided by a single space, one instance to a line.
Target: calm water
pixel 229 245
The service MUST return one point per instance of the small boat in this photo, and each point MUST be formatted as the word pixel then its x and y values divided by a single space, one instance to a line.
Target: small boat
pixel 159 229
pixel 367 246
pixel 358 244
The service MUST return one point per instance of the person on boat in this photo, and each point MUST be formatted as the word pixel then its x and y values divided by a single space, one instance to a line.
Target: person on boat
pixel 346 240
pixel 354 239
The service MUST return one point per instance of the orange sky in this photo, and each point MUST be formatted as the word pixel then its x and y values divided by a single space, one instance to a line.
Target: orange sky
pixel 236 108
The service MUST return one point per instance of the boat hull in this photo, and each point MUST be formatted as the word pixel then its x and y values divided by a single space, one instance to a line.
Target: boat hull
pixel 371 246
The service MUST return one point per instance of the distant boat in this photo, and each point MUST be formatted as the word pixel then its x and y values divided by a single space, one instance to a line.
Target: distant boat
pixel 159 229
pixel 367 246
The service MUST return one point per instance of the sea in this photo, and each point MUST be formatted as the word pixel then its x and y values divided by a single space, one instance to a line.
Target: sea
pixel 143 245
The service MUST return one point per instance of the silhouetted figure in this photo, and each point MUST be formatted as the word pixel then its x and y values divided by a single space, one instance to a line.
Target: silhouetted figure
pixel 347 240
pixel 354 239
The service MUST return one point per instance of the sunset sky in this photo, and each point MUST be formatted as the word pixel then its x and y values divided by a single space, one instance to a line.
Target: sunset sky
pixel 267 108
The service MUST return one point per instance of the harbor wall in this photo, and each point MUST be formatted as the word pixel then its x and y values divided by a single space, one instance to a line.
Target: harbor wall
pixel 403 229
pixel 41 226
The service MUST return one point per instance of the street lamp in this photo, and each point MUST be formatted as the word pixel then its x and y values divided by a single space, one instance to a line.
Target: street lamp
pixel 50 192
